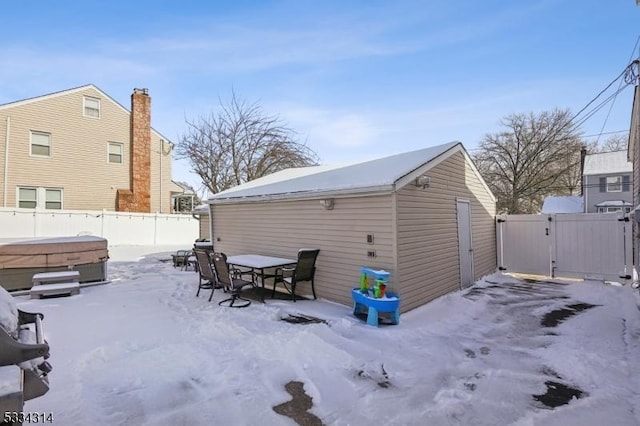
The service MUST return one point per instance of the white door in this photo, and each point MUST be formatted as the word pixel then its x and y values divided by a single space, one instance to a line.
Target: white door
pixel 464 242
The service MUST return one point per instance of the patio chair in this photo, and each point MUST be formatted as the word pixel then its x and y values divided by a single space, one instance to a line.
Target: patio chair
pixel 231 282
pixel 179 258
pixel 208 280
pixel 304 270
pixel 190 261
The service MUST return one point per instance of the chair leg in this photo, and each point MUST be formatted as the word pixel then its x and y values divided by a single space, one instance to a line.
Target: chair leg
pixel 213 288
pixel 293 290
pixel 233 300
pixel 313 289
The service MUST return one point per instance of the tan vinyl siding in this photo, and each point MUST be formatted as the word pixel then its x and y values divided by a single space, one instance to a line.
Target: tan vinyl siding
pixel 79 158
pixel 204 226
pixel 428 259
pixel 3 139
pixel 167 184
pixel 281 228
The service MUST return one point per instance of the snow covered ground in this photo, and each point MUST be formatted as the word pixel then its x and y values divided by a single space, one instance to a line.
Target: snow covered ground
pixel 144 350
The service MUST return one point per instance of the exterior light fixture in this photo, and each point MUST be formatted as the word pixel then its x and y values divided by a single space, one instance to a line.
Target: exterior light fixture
pixel 422 182
pixel 327 203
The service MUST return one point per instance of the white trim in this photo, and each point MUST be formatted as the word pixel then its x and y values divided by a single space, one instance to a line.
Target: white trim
pixel 18 200
pixel 31 144
pixel 307 195
pixel 109 143
pixel 84 107
pixel 61 190
pixel 41 197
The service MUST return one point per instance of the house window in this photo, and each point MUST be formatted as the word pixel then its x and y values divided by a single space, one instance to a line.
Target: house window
pixel 91 107
pixel 27 198
pixel 613 209
pixel 33 198
pixel 53 199
pixel 40 144
pixel 115 152
pixel 614 184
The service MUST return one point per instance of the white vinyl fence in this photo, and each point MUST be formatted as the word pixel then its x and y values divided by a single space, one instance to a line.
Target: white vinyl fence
pixel 117 227
pixel 581 245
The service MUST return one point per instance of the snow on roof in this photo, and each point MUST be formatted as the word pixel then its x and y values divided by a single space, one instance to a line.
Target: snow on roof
pixel 563 204
pixel 201 209
pixel 606 163
pixel 375 174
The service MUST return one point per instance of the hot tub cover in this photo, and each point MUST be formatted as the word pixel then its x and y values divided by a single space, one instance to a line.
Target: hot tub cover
pixel 51 252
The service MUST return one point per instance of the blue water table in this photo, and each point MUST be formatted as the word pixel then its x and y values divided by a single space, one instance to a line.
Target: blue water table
pixel 372 297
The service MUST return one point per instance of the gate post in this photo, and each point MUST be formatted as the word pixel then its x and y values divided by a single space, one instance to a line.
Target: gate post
pixel 500 219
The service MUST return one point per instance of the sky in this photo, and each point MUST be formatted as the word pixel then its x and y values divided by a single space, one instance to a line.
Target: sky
pixel 356 80
pixel 144 350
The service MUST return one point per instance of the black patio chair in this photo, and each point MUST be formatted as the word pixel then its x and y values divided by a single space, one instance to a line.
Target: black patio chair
pixel 208 279
pixel 304 270
pixel 190 261
pixel 180 257
pixel 231 282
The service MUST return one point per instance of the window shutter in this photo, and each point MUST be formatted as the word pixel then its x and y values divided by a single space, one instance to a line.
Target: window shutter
pixel 625 184
pixel 603 184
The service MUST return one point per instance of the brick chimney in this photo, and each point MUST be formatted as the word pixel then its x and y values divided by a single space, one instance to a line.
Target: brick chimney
pixel 138 197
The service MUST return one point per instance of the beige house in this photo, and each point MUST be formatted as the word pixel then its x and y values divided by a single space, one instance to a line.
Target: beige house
pixel 79 149
pixel 426 216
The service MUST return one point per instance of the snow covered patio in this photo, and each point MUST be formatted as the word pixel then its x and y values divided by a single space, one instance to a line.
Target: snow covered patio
pixel 144 350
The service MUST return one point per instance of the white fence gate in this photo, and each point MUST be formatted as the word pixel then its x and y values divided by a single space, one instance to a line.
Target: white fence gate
pixel 580 245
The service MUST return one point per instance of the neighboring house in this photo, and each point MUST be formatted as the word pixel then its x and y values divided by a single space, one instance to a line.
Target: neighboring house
pixel 562 204
pixel 80 149
pixel 183 201
pixel 607 178
pixel 426 216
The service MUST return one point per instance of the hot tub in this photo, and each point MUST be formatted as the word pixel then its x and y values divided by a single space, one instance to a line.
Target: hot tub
pixel 21 258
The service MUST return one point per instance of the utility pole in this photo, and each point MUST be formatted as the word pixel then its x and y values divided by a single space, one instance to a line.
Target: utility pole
pixel 633 154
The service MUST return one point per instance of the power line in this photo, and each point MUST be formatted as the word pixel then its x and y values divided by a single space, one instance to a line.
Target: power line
pixel 633 52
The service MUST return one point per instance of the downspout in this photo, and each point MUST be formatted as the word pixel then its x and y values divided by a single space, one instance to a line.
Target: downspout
pixel 211 223
pixel 6 162
pixel 160 153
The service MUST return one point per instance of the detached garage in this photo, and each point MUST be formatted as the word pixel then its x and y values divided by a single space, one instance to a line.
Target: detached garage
pixel 426 216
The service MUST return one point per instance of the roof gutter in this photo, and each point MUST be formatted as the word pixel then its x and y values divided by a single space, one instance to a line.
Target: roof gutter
pixel 307 195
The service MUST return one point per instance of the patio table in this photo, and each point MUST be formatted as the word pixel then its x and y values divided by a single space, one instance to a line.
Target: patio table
pixel 258 263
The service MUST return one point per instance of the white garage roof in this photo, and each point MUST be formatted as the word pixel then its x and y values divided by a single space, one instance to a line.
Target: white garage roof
pixel 370 176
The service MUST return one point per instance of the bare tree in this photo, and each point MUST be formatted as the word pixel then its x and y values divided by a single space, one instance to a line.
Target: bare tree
pixel 537 155
pixel 617 142
pixel 240 143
